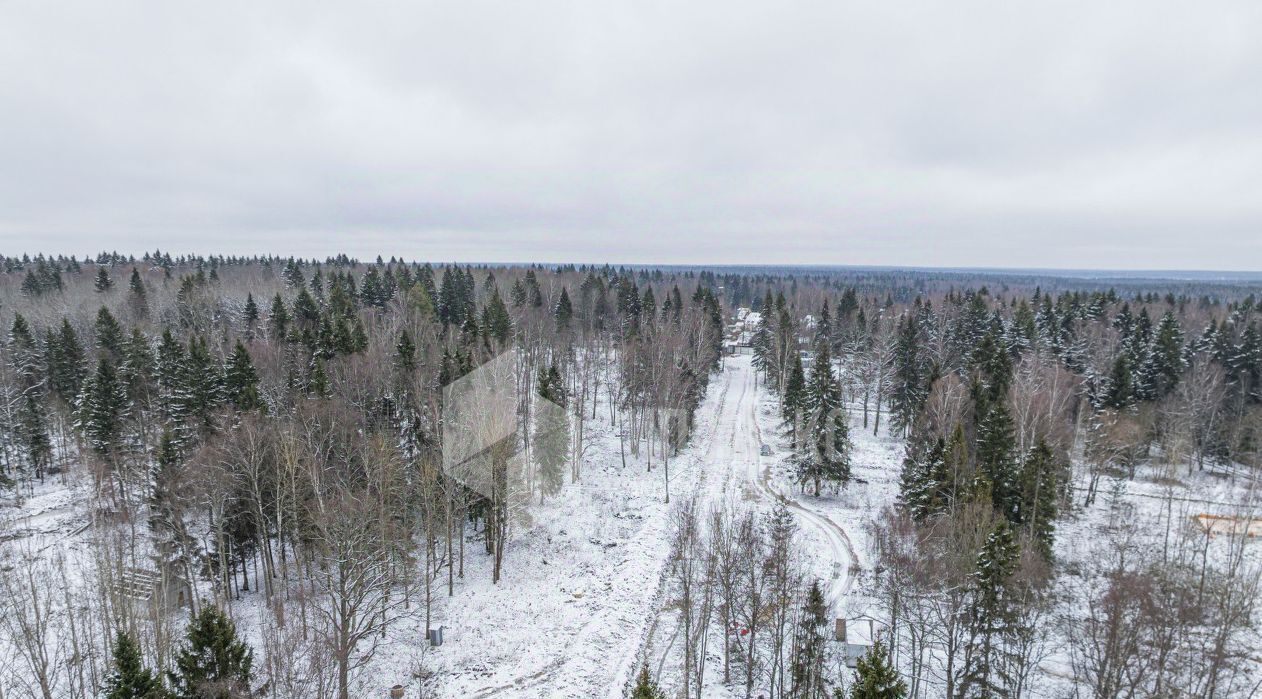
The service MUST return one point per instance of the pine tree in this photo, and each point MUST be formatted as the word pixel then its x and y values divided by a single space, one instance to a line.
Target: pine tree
pixel 810 647
pixel 130 679
pixel 645 687
pixel 213 663
pixel 876 677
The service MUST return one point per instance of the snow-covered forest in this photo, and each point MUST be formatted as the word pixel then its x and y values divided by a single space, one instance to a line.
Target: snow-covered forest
pixel 225 477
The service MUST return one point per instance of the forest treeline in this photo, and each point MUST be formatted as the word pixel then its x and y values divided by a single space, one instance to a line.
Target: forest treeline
pixel 275 425
pixel 1000 397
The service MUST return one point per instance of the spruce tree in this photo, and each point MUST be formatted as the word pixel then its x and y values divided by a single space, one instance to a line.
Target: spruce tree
pixel 534 296
pixel 306 312
pixel 32 424
pixel 996 460
pixel 1120 387
pixel 645 687
pixel 109 333
pixel 213 663
pixel 25 355
pixel 66 364
pixel 32 429
pixel 405 353
pixel 318 380
pixel 103 282
pixel 278 319
pixel 251 314
pixel 763 348
pixel 496 321
pixel 908 389
pixel 552 430
pixel 564 311
pixel 203 383
pixel 136 285
pixel 101 408
pixel 1039 491
pixel 170 369
pixel 1167 355
pixel 876 677
pixel 824 454
pixel 793 403
pixel 241 381
pixel 990 613
pixel 130 678
pixel 925 483
pixel 810 646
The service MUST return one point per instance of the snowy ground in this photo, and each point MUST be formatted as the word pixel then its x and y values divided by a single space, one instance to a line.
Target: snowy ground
pixel 1157 495
pixel 583 601
pixel 582 605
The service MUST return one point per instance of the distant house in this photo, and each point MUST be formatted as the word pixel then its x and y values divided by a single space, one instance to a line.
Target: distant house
pixel 152 588
pixel 739 336
pixel 1213 525
pixel 855 637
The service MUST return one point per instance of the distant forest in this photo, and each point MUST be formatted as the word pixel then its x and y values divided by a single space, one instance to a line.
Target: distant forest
pixel 275 424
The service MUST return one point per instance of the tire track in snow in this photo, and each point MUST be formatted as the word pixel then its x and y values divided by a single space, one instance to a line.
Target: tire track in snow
pixel 619 631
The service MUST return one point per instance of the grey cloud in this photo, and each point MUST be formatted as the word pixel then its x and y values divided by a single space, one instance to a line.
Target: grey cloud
pixel 1075 134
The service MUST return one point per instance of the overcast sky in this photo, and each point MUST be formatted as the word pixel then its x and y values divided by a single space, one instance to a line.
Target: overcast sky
pixel 1119 134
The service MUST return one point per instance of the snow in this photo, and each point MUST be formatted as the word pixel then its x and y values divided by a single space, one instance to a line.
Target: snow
pixel 583 599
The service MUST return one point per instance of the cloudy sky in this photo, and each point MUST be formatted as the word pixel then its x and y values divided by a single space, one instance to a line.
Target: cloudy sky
pixel 1121 134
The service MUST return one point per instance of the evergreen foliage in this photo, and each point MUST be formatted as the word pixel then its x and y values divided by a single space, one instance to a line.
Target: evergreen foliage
pixel 213 663
pixel 876 677
pixel 130 678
